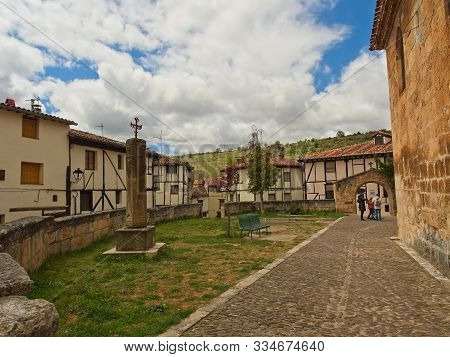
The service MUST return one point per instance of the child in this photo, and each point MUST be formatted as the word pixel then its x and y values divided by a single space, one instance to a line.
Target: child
pixel 370 206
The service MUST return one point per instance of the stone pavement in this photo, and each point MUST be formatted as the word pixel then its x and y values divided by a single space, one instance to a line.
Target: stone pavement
pixel 350 281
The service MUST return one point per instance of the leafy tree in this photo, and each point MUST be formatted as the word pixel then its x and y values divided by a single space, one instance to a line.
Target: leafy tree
pixel 386 168
pixel 262 174
pixel 340 134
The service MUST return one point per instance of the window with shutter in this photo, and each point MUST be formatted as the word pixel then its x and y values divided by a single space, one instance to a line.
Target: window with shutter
pixel 90 160
pixel 30 128
pixel 31 173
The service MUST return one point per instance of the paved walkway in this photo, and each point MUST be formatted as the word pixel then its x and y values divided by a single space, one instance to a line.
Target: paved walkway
pixel 350 281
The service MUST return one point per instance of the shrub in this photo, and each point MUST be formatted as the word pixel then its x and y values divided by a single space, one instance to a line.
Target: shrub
pixel 295 210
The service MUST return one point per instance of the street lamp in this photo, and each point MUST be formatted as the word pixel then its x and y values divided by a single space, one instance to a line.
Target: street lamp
pixel 78 175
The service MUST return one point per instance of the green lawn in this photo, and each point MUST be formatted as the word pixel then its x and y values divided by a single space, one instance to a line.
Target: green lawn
pixel 109 296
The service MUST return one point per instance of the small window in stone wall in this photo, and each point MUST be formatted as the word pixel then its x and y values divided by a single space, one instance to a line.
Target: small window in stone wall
pixel 2 175
pixel 174 189
pixel 118 197
pixel 329 192
pixel 55 198
pixel 2 219
pixel 287 196
pixel 272 197
pixel 379 140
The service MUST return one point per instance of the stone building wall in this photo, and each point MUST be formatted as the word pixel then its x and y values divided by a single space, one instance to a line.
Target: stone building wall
pixel 30 241
pixel 421 126
pixel 280 206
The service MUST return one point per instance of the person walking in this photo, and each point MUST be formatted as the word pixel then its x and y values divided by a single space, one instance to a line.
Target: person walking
pixel 370 206
pixel 362 205
pixel 377 207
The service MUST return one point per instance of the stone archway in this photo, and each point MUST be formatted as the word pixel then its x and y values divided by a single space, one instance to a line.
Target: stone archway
pixel 345 190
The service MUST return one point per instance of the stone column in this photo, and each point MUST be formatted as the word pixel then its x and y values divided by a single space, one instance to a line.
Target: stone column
pixel 136 184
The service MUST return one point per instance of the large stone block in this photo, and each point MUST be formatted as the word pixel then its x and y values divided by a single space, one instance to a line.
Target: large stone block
pixel 135 239
pixel 22 317
pixel 14 280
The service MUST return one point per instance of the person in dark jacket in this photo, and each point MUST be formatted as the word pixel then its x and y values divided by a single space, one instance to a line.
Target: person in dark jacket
pixel 362 205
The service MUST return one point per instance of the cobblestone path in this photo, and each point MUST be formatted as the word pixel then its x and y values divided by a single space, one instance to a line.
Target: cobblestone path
pixel 350 281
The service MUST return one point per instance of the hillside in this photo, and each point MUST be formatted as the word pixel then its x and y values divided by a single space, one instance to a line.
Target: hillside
pixel 209 164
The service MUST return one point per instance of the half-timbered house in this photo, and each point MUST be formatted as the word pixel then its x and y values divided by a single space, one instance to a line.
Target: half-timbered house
pixel 324 168
pixel 289 185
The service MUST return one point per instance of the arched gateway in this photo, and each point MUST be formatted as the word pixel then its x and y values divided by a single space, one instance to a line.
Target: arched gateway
pixel 345 190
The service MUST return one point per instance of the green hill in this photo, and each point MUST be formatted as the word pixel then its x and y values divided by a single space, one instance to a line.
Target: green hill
pixel 209 164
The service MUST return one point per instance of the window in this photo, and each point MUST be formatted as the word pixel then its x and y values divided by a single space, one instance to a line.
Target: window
pixel 330 167
pixel 119 162
pixel 2 175
pixel 385 194
pixel 118 197
pixel 89 160
pixel 272 197
pixel 156 185
pixel 221 203
pixel 30 128
pixel 329 191
pixel 2 219
pixel 379 140
pixel 287 196
pixel 31 173
pixel 172 169
pixel 55 198
pixel 401 61
pixel 286 176
pixel 86 201
pixel 174 189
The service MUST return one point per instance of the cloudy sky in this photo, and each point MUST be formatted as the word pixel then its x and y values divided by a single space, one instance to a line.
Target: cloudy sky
pixel 203 71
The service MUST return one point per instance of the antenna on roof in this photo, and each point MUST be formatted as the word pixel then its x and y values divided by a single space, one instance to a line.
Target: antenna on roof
pixel 35 104
pixel 100 126
pixel 161 142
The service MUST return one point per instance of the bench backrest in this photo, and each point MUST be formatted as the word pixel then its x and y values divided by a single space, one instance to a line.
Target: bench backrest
pixel 249 221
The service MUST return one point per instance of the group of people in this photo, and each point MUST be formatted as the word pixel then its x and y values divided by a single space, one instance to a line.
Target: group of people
pixel 374 206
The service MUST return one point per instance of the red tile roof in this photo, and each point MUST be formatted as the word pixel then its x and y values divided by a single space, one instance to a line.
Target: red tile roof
pixel 367 148
pixel 36 115
pixel 85 138
pixel 385 11
pixel 277 161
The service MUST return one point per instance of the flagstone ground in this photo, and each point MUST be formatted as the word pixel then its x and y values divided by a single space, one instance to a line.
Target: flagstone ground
pixel 350 281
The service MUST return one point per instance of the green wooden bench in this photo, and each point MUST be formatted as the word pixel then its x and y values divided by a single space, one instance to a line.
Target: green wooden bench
pixel 250 223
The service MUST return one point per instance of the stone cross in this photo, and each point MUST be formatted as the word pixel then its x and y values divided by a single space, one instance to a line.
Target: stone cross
pixel 136 126
pixel 137 237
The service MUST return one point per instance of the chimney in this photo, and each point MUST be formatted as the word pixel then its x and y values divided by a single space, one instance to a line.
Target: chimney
pixel 11 102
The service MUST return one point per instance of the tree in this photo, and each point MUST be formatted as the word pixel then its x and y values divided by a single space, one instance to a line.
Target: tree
pixel 262 174
pixel 340 134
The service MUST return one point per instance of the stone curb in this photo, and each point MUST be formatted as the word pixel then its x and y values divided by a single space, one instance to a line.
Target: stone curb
pixel 202 312
pixel 430 269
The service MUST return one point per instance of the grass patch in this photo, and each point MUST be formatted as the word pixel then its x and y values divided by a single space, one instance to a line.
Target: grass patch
pixel 112 296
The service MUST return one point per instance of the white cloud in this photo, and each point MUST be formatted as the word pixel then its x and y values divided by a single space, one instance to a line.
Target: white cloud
pixel 210 69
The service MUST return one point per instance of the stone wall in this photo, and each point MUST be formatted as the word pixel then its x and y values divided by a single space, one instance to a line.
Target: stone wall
pixel 281 206
pixel 30 241
pixel 420 117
